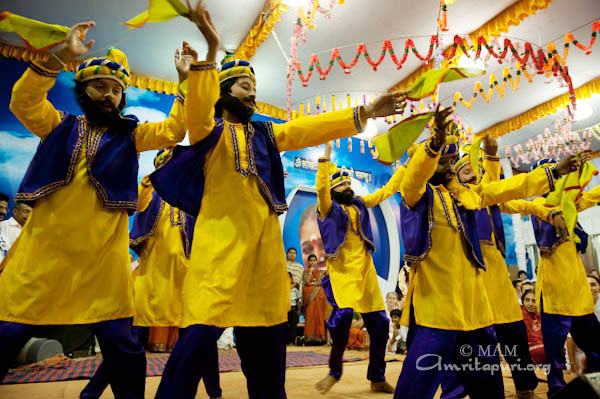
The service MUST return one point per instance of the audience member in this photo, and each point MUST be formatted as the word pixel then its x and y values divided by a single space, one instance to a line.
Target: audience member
pixel 391 302
pixel 11 228
pixel 533 321
pixel 396 342
pixel 295 269
pixel 4 199
pixel 313 298
pixel 357 335
pixel 595 273
pixel 522 275
pixel 294 313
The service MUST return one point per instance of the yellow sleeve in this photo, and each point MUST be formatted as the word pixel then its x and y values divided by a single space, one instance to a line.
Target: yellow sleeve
pixel 163 134
pixel 203 94
pixel 588 199
pixel 390 188
pixel 526 208
pixel 524 185
pixel 309 131
pixel 145 191
pixel 492 168
pixel 29 102
pixel 323 187
pixel 420 169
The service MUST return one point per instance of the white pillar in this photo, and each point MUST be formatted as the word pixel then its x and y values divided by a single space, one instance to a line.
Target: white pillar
pixel 517 223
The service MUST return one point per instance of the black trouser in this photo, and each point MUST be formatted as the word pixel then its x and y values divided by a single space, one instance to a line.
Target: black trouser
pixel 292 324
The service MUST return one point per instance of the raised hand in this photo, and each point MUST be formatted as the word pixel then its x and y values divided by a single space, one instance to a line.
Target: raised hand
pixel 568 165
pixel 328 147
pixel 560 225
pixel 73 46
pixel 386 104
pixel 200 16
pixel 184 59
pixel 490 145
pixel 441 122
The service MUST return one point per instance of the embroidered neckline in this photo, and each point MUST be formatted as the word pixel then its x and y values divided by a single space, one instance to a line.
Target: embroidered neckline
pixel 447 212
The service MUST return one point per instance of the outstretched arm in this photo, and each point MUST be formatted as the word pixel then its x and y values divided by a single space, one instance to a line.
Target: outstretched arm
pixel 390 188
pixel 310 131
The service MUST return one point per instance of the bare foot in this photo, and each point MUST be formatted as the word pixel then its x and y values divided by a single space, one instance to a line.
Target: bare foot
pixel 325 384
pixel 382 386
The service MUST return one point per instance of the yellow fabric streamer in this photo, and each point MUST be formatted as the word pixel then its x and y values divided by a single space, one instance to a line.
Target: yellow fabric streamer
pixel 260 31
pixel 35 34
pixel 393 144
pixel 474 152
pixel 568 190
pixel 427 83
pixel 158 11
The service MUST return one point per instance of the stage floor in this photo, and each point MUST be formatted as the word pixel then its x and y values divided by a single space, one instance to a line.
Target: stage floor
pixel 300 383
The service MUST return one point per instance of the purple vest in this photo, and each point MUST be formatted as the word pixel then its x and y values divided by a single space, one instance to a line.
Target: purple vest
pixel 180 182
pixel 486 223
pixel 146 222
pixel 335 225
pixel 547 240
pixel 112 163
pixel 417 223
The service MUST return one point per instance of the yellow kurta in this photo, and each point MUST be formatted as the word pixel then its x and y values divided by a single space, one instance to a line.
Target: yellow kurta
pixel 238 274
pixel 159 280
pixel 501 293
pixel 352 272
pixel 446 290
pixel 70 265
pixel 561 280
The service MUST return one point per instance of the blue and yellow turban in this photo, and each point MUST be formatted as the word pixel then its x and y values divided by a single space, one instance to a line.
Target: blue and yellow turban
pixel 464 158
pixel 162 156
pixel 542 163
pixel 339 176
pixel 113 66
pixel 232 68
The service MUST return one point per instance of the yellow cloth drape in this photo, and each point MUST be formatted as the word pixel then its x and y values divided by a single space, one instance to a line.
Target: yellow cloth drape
pixel 158 11
pixel 541 111
pixel 261 30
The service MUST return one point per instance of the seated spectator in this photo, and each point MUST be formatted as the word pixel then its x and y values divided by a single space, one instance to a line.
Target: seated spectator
pixel 391 302
pixel 522 275
pixel 533 321
pixel 397 340
pixel 358 338
pixel 4 199
pixel 11 228
pixel 294 313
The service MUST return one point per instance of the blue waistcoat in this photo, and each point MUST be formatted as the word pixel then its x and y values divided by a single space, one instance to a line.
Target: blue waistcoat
pixel 547 239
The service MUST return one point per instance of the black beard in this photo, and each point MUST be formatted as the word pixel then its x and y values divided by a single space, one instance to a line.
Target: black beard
pixel 234 106
pixel 345 197
pixel 95 113
pixel 439 178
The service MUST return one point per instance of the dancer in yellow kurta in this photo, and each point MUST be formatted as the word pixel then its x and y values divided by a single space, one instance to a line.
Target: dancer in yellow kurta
pixel 70 264
pixel 351 284
pixel 234 182
pixel 563 293
pixel 447 303
pixel 508 318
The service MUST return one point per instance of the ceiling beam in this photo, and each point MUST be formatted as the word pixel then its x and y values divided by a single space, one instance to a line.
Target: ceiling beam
pixel 263 26
pixel 513 15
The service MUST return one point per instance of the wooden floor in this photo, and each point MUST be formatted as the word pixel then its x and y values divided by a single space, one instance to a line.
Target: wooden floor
pixel 300 383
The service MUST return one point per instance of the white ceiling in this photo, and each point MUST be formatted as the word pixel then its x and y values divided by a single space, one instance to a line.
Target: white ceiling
pixel 150 49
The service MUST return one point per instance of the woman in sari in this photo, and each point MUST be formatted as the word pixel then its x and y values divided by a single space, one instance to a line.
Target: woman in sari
pixel 533 321
pixel 314 303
